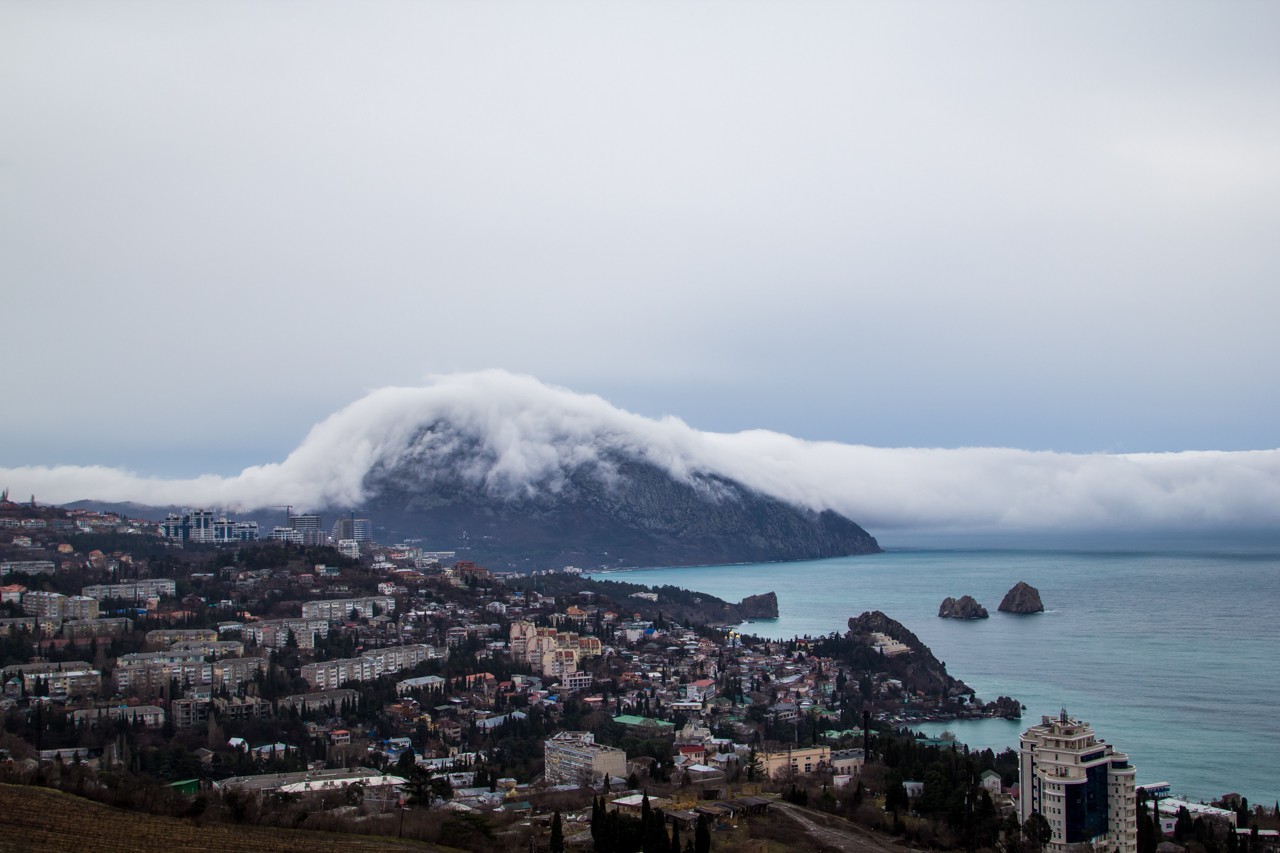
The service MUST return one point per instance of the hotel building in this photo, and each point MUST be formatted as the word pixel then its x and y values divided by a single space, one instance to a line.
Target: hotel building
pixel 1079 784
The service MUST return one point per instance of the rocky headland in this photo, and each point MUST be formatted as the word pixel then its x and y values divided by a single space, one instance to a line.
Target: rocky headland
pixel 882 643
pixel 964 607
pixel 1023 598
pixel 763 606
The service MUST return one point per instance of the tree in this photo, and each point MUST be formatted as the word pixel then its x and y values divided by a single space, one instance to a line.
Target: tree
pixel 1183 827
pixel 424 788
pixel 702 836
pixel 1149 835
pixel 406 763
pixel 895 796
pixel 556 844
pixel 653 830
pixel 1037 830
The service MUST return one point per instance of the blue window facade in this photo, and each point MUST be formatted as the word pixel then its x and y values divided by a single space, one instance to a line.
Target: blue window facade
pixel 1086 807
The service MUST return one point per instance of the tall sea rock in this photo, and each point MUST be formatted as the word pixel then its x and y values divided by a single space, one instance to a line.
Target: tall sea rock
pixel 1022 598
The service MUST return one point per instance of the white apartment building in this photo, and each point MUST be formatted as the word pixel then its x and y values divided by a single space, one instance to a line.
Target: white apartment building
pixel 166 637
pixel 28 567
pixel 274 633
pixel 58 680
pixel 209 648
pixel 81 607
pixel 339 609
pixel 325 675
pixel 1079 784
pixel 45 605
pixel 136 591
pixel 575 756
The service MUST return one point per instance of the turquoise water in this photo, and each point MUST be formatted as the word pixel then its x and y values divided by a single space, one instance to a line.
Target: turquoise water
pixel 1174 656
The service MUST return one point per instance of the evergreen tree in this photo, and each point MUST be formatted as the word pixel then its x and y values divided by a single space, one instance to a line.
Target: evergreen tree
pixel 702 836
pixel 597 822
pixel 1037 830
pixel 654 833
pixel 556 844
pixel 1148 836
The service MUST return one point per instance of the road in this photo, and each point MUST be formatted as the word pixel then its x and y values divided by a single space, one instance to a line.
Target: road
pixel 837 833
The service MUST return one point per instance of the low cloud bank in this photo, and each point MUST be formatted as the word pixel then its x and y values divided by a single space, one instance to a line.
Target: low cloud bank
pixel 518 435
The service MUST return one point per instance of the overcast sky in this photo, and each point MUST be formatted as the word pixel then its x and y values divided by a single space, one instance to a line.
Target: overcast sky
pixel 1046 226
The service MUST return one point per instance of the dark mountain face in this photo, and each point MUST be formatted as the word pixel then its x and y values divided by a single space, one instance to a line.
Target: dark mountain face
pixel 613 509
pixel 587 499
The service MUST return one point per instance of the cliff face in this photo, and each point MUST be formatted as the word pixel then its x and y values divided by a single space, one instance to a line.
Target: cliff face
pixel 626 512
pixel 965 607
pixel 1023 598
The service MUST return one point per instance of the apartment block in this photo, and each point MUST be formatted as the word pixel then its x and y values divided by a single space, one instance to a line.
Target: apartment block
pixel 570 757
pixel 325 675
pixel 340 609
pixel 135 591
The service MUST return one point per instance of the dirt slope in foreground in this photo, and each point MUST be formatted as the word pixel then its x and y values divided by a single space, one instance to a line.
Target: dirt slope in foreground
pixel 40 819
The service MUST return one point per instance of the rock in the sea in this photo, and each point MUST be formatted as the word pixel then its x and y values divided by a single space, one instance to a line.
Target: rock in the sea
pixel 763 606
pixel 1023 598
pixel 964 607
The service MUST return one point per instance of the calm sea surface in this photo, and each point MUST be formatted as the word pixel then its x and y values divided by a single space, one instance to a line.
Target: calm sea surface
pixel 1173 656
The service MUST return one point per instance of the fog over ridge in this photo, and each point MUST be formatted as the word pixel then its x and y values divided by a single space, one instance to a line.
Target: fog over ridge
pixel 513 435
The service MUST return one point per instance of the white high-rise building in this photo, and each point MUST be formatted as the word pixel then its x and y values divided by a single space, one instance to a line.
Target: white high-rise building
pixel 1079 784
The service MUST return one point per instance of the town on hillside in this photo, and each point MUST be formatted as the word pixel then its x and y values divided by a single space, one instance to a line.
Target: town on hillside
pixel 312 678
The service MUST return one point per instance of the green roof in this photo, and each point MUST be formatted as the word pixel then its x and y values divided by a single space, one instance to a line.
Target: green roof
pixel 633 720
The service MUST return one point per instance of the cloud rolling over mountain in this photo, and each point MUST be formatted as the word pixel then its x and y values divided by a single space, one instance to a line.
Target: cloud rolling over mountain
pixel 510 436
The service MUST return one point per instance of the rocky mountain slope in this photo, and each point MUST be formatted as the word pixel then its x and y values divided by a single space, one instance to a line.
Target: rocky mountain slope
pixel 612 510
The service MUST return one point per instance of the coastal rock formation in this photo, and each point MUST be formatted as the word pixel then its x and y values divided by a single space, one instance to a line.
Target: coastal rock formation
pixel 964 607
pixel 886 644
pixel 1006 707
pixel 1023 598
pixel 763 606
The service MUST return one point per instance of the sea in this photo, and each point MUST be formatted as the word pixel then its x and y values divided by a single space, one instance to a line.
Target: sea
pixel 1171 652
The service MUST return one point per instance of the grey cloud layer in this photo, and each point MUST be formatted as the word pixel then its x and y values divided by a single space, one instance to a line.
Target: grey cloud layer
pixel 1046 226
pixel 531 433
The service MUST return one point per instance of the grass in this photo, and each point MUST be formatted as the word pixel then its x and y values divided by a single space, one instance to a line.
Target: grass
pixel 40 819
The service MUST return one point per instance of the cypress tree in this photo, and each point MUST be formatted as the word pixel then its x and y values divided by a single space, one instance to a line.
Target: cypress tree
pixel 702 836
pixel 597 826
pixel 556 844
